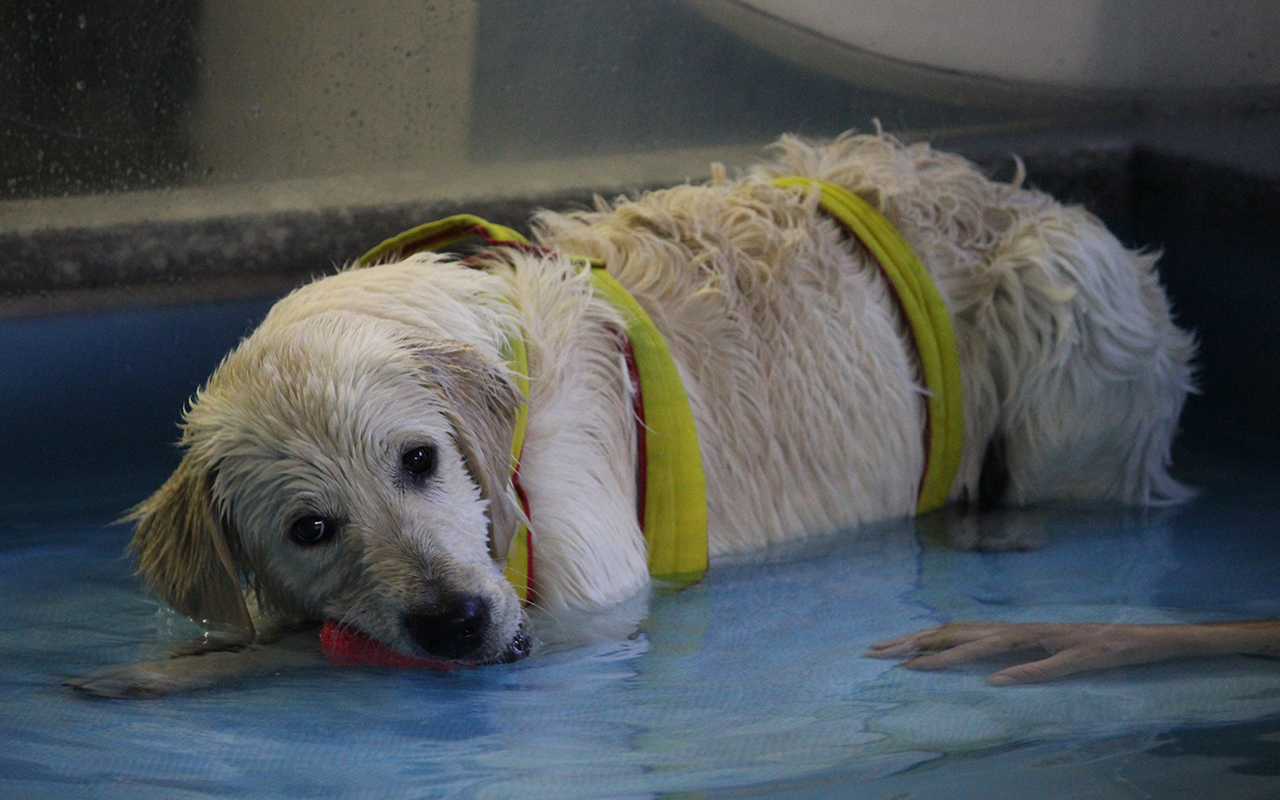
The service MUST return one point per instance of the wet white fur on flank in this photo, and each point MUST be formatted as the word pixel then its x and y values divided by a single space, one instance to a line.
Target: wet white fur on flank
pixel 803 382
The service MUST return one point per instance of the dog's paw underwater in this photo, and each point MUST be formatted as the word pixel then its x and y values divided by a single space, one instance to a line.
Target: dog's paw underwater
pixel 419 449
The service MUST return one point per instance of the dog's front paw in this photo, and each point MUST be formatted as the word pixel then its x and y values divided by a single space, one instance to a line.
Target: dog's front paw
pixel 188 673
pixel 141 680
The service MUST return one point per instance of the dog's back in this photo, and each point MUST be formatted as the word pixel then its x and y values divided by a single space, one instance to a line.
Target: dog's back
pixel 803 378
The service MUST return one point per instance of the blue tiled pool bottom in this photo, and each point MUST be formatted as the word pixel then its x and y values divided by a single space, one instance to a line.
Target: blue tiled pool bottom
pixel 750 684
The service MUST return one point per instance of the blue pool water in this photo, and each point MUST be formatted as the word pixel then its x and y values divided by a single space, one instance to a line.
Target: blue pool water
pixel 750 684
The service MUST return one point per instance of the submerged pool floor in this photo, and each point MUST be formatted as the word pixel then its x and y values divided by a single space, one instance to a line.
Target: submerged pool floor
pixel 750 684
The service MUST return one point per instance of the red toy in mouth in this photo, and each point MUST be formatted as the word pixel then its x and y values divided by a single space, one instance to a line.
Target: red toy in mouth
pixel 348 647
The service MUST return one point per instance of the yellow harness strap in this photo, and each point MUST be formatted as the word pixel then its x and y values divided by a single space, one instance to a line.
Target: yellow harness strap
pixel 930 324
pixel 434 235
pixel 674 511
pixel 675 490
pixel 519 567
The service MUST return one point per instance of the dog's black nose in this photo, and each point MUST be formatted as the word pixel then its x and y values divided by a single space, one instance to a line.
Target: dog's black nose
pixel 456 631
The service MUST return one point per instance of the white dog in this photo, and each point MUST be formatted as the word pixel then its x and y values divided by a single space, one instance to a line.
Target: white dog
pixel 351 459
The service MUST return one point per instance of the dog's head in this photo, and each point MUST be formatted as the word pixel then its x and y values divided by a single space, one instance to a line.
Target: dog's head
pixel 347 469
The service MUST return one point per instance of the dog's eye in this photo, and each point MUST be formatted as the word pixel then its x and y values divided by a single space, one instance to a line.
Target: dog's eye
pixel 419 462
pixel 313 530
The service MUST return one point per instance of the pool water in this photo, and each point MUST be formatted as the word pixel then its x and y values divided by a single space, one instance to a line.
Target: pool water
pixel 749 684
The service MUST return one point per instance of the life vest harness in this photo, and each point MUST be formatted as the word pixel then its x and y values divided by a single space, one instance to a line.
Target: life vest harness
pixel 671 487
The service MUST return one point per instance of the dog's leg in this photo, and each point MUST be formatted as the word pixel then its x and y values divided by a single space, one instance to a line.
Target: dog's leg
pixel 192 668
pixel 1091 368
pixel 988 525
pixel 993 481
pixel 996 531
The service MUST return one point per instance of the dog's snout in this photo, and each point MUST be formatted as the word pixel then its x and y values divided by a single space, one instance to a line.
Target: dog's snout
pixel 455 632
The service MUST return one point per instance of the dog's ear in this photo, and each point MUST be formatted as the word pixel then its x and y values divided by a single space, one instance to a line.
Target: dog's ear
pixel 483 400
pixel 183 550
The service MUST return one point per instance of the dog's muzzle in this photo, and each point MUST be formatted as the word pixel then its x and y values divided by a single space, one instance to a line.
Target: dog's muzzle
pixel 461 628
